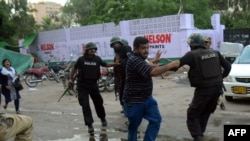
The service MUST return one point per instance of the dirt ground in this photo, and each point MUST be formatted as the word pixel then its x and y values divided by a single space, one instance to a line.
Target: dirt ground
pixel 63 121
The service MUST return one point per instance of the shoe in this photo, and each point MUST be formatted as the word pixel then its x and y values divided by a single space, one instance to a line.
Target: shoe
pixel 90 129
pixel 5 106
pixel 198 138
pixel 18 112
pixel 122 111
pixel 222 106
pixel 104 122
pixel 126 123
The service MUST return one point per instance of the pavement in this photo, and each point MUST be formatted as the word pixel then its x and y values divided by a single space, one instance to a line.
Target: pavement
pixel 63 121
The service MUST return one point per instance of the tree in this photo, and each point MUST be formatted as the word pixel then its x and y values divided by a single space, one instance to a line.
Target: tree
pixel 17 23
pixel 234 13
pixel 101 11
pixel 48 24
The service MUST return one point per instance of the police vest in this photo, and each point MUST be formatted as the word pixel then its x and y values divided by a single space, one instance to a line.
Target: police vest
pixel 206 70
pixel 89 68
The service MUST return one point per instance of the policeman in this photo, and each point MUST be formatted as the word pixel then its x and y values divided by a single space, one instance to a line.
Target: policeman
pixel 88 72
pixel 122 52
pixel 124 42
pixel 206 75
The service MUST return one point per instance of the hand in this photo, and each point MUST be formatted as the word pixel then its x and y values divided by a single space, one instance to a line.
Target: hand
pixel 8 87
pixel 70 83
pixel 158 55
pixel 116 63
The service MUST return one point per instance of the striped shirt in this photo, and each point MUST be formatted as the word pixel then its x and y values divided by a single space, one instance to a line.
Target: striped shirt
pixel 139 84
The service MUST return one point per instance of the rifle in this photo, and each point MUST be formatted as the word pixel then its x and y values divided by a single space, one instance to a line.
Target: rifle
pixel 68 88
pixel 64 93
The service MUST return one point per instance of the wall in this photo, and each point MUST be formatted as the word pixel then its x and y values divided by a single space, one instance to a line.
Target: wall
pixel 167 33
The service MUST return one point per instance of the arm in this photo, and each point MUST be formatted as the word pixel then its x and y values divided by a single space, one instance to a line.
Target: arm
pixel 72 73
pixel 161 69
pixel 4 81
pixel 225 65
pixel 71 77
pixel 112 64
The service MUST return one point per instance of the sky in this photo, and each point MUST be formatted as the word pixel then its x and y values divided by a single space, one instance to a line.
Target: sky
pixel 62 2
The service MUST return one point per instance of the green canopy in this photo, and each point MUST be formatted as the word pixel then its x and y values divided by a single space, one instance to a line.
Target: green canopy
pixel 3 44
pixel 29 39
pixel 9 47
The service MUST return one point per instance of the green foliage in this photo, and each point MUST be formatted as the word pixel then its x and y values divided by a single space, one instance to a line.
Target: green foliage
pixel 17 24
pixel 48 24
pixel 201 11
pixel 102 11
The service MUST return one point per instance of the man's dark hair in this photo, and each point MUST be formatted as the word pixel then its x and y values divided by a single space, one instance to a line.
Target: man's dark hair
pixel 140 40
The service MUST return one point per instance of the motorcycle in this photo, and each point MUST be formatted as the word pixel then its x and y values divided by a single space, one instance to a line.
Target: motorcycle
pixel 106 80
pixel 62 71
pixel 35 75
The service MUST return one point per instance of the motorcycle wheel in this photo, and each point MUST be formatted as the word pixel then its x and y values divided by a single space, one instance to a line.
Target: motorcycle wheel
pixel 49 76
pixel 64 82
pixel 110 84
pixel 101 85
pixel 29 79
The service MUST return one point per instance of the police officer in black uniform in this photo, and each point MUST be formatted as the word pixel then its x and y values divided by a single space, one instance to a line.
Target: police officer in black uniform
pixel 206 75
pixel 122 52
pixel 88 73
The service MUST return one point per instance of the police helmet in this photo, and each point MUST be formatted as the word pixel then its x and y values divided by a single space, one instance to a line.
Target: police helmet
pixel 91 45
pixel 115 39
pixel 196 40
pixel 124 42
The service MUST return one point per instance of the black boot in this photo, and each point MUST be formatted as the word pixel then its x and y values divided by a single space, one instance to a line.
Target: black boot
pixel 104 122
pixel 198 138
pixel 90 129
pixel 222 106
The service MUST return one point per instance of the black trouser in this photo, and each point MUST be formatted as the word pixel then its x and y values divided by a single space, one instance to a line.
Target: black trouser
pixel 203 104
pixel 122 85
pixel 83 97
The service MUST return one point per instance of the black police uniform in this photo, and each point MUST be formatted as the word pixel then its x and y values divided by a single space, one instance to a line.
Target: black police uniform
pixel 120 71
pixel 206 76
pixel 88 74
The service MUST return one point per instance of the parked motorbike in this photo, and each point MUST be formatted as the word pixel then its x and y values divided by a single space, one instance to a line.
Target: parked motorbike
pixel 35 75
pixel 55 69
pixel 62 71
pixel 106 81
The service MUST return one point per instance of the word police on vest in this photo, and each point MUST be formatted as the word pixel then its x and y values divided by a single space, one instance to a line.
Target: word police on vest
pixel 208 56
pixel 239 132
